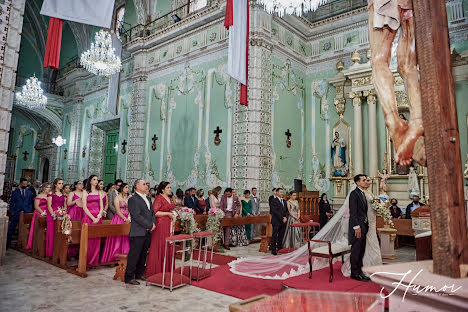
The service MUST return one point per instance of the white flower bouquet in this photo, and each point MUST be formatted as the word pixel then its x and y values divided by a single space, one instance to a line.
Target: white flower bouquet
pixel 382 209
pixel 215 216
pixel 186 216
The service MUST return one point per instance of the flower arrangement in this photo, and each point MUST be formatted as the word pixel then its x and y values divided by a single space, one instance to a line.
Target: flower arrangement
pixel 61 212
pixel 382 209
pixel 215 216
pixel 186 215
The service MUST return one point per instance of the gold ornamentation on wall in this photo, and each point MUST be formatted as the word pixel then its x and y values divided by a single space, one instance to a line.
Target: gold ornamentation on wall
pixel 402 101
pixel 364 81
pixel 465 173
pixel 340 105
pixel 339 90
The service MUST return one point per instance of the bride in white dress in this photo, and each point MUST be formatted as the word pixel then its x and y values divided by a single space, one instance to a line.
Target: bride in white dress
pixel 296 263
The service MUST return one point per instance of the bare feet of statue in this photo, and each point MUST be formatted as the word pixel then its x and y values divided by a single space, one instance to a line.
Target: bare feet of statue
pixel 404 152
pixel 419 153
pixel 398 132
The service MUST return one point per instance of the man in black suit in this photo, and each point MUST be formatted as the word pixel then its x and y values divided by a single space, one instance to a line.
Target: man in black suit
pixel 279 216
pixel 358 226
pixel 415 204
pixel 191 201
pixel 143 219
pixel 273 195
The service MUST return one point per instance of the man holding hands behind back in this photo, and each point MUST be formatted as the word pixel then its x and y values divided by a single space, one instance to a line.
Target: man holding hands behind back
pixel 279 216
pixel 143 219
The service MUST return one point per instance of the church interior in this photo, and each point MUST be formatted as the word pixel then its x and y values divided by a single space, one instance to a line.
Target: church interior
pixel 307 117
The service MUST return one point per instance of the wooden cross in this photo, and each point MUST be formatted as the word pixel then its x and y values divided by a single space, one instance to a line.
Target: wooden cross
pixel 448 218
pixel 288 140
pixel 124 143
pixel 154 139
pixel 288 134
pixel 25 157
pixel 217 140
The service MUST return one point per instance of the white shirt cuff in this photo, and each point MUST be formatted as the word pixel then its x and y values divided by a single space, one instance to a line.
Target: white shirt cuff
pixel 356 227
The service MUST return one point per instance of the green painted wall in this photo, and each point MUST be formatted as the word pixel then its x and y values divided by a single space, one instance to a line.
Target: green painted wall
pixel 130 16
pixel 68 49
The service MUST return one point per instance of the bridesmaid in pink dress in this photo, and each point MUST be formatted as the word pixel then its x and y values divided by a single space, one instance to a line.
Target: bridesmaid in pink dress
pixel 40 206
pixel 92 208
pixel 118 244
pixel 162 207
pixel 74 202
pixel 54 200
pixel 103 194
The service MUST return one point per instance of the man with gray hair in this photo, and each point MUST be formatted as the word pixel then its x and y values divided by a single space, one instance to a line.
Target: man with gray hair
pixel 143 219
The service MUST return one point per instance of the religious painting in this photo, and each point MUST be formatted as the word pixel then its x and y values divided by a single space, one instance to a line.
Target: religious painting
pixel 28 174
pixel 340 149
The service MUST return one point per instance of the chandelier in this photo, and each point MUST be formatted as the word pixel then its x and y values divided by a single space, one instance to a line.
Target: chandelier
pixel 32 94
pixel 101 59
pixel 289 7
pixel 59 141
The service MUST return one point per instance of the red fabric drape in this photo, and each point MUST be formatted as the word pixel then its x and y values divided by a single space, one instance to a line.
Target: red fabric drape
pixel 54 42
pixel 228 18
pixel 243 90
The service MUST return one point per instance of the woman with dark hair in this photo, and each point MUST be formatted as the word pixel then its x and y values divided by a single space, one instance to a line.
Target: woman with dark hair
pixel 103 195
pixel 293 236
pixel 40 206
pixel 55 199
pixel 66 189
pixel 118 244
pixel 325 212
pixel 201 200
pixel 178 199
pixel 163 208
pixel 247 211
pixel 93 209
pixel 74 202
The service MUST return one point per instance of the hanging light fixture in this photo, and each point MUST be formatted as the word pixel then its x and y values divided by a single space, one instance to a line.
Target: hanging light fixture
pixel 289 7
pixel 32 95
pixel 59 141
pixel 101 59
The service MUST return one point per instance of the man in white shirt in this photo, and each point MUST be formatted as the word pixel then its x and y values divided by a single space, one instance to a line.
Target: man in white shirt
pixel 230 204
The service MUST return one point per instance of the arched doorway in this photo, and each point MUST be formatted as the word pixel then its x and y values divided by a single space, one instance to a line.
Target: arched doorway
pixel 45 171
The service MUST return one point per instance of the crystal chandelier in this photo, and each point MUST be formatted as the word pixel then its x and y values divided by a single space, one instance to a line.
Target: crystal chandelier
pixel 101 59
pixel 32 94
pixel 59 141
pixel 288 7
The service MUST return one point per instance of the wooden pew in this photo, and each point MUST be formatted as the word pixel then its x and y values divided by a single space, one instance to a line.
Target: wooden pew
pixel 404 227
pixel 96 231
pixel 23 229
pixel 39 239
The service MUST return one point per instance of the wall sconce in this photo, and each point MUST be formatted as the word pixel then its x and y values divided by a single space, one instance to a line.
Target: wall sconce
pixel 153 146
pixel 25 157
pixel 83 153
pixel 65 153
pixel 124 143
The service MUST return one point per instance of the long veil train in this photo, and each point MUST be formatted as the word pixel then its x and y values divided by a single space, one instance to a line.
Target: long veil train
pixel 296 263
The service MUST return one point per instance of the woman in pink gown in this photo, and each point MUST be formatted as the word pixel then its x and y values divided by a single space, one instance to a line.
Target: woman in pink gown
pixel 40 206
pixel 74 202
pixel 162 207
pixel 118 244
pixel 55 200
pixel 103 194
pixel 92 208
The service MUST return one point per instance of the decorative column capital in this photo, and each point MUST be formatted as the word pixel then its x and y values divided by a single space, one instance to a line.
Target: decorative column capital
pixel 356 96
pixel 340 105
pixel 371 96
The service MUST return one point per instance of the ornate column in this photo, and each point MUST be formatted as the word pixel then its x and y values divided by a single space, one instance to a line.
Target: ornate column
pixel 12 16
pixel 251 164
pixel 373 148
pixel 74 152
pixel 136 131
pixel 358 158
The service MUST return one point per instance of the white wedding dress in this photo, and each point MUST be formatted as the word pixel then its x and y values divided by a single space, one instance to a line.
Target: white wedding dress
pixel 296 263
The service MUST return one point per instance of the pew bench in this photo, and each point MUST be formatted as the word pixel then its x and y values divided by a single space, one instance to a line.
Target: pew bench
pixel 121 267
pixel 24 226
pixel 329 251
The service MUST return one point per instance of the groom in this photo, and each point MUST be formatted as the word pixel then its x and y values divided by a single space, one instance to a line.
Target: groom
pixel 358 226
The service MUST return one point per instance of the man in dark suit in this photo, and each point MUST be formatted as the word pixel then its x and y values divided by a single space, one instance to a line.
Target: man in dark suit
pixel 413 206
pixel 21 200
pixel 358 226
pixel 279 216
pixel 273 195
pixel 191 201
pixel 35 190
pixel 230 205
pixel 143 219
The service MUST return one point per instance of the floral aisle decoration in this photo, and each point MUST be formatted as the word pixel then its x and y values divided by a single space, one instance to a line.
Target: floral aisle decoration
pixel 382 209
pixel 66 227
pixel 61 212
pixel 186 216
pixel 213 224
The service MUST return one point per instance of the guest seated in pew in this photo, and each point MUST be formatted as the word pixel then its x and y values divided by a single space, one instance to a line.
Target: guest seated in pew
pixel 40 209
pixel 292 235
pixel 55 199
pixel 118 244
pixel 394 209
pixel 93 208
pixel 247 211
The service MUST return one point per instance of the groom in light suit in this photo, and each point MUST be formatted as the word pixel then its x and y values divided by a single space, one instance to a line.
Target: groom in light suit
pixel 358 226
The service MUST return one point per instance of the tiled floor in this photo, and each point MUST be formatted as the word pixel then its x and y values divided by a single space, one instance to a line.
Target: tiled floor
pixel 27 284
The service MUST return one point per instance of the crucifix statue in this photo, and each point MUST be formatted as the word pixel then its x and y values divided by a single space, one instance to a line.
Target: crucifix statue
pixel 217 140
pixel 25 157
pixel 288 140
pixel 154 139
pixel 124 143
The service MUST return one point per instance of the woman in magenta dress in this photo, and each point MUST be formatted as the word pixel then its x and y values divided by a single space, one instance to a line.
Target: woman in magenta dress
pixel 103 194
pixel 75 203
pixel 162 207
pixel 92 208
pixel 40 209
pixel 55 200
pixel 118 244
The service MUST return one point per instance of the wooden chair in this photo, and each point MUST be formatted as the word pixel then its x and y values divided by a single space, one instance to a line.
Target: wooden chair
pixel 121 267
pixel 330 251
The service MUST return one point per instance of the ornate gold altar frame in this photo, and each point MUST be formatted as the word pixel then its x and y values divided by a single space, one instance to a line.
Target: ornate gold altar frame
pixel 344 129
